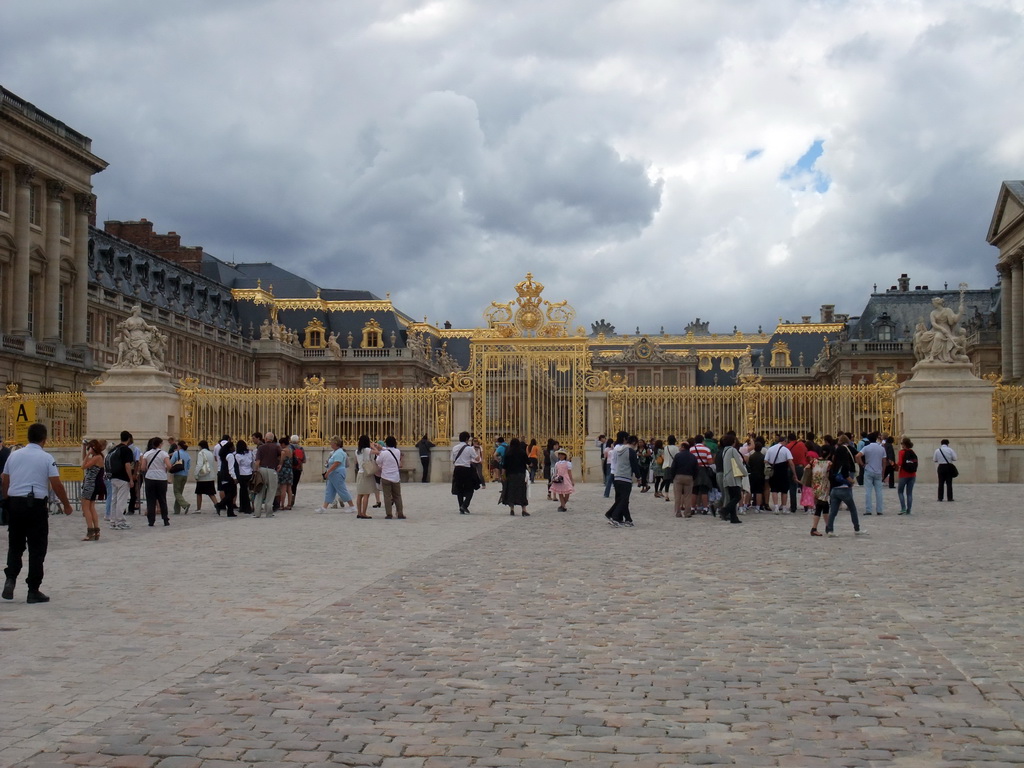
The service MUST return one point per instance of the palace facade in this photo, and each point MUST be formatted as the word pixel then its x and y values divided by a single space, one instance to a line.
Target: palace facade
pixel 65 285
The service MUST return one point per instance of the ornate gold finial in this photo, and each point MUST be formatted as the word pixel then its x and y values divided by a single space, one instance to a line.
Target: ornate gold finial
pixel 528 289
pixel 259 283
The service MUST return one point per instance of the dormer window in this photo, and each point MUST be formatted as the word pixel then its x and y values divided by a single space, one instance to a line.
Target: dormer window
pixel 780 355
pixel 372 336
pixel 885 327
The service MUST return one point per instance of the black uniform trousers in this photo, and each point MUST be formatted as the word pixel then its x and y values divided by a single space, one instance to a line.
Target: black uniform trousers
pixel 28 525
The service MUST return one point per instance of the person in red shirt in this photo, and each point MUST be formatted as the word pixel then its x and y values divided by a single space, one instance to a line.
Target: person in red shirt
pixel 799 450
pixel 906 462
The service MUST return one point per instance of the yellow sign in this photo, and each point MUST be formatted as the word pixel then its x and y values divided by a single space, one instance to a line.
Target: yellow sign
pixel 24 415
pixel 71 474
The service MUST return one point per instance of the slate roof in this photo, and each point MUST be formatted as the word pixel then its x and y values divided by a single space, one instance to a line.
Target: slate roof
pixel 905 309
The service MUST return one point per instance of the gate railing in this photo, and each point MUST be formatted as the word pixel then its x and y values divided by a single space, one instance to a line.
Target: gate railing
pixel 315 413
pixel 752 407
pixel 63 413
pixel 1008 414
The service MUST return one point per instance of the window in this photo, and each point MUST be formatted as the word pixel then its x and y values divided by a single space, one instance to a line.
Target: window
pixel 643 377
pixel 35 206
pixel 670 377
pixel 31 304
pixel 108 332
pixel 3 191
pixel 60 312
pixel 885 333
pixel 88 328
pixel 371 381
pixel 65 219
pixel 372 336
pixel 194 357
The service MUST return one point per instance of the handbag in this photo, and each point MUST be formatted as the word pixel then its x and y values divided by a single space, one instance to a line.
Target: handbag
pixel 177 466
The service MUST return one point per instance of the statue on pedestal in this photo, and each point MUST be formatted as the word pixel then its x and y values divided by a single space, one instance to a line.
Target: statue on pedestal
pixel 946 341
pixel 139 343
pixel 265 330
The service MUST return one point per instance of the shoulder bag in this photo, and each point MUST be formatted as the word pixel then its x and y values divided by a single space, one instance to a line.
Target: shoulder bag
pixel 178 465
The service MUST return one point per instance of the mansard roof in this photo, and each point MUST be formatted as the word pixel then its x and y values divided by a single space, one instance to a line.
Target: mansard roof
pixel 903 310
pixel 140 275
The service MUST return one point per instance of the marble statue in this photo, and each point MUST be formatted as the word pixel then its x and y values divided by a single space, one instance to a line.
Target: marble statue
pixel 333 348
pixel 945 341
pixel 139 343
pixel 265 330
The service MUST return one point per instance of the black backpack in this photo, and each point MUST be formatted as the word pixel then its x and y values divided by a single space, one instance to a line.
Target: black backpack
pixel 909 464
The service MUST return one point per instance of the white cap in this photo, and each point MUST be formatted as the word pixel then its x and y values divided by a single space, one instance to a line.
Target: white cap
pixel 294 438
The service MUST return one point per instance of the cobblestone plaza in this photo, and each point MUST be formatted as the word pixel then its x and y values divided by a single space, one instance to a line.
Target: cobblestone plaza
pixel 446 640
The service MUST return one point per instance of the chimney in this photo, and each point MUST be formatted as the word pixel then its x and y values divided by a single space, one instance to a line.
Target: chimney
pixel 828 313
pixel 904 282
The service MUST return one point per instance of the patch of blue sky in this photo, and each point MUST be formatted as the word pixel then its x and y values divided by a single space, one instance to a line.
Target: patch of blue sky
pixel 802 175
pixel 751 154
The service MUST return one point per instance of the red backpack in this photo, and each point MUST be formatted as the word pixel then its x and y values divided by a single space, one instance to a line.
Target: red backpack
pixel 298 455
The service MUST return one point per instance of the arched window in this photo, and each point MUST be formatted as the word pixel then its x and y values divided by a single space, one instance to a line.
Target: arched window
pixel 372 336
pixel 780 355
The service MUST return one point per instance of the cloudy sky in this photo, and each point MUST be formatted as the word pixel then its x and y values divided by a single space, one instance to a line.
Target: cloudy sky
pixel 651 161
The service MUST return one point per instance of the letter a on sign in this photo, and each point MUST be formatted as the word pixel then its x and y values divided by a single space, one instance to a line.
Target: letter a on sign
pixel 25 415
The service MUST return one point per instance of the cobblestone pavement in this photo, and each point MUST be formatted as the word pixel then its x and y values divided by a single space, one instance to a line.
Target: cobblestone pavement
pixel 446 640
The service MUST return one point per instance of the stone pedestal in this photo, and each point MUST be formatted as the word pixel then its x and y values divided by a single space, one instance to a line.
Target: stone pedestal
pixel 141 400
pixel 946 400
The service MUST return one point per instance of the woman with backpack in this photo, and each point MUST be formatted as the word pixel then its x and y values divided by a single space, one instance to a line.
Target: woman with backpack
pixel 906 462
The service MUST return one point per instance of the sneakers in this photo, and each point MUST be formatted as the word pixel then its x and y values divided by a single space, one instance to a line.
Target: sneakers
pixel 868 514
pixel 830 534
pixel 904 512
pixel 35 596
pixel 123 525
pixel 613 524
pixel 628 523
pixel 861 532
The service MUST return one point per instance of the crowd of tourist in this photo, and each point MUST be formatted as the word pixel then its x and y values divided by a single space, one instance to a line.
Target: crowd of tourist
pixel 725 477
pixel 730 476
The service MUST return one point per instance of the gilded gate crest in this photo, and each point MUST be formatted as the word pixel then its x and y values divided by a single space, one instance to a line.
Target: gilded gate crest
pixel 530 315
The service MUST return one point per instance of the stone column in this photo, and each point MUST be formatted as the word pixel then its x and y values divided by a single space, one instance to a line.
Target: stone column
pixel 1017 319
pixel 1006 288
pixel 51 292
pixel 23 175
pixel 84 206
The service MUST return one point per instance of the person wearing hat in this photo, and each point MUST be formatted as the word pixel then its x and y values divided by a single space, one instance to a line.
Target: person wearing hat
pixel 561 479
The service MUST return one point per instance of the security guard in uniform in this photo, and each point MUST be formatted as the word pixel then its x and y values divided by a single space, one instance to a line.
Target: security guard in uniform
pixel 27 478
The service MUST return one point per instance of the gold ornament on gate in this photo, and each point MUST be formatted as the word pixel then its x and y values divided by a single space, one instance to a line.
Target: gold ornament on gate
pixel 529 315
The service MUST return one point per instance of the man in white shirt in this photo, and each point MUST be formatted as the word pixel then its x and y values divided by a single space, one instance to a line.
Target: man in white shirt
pixel 390 462
pixel 27 478
pixel 945 458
